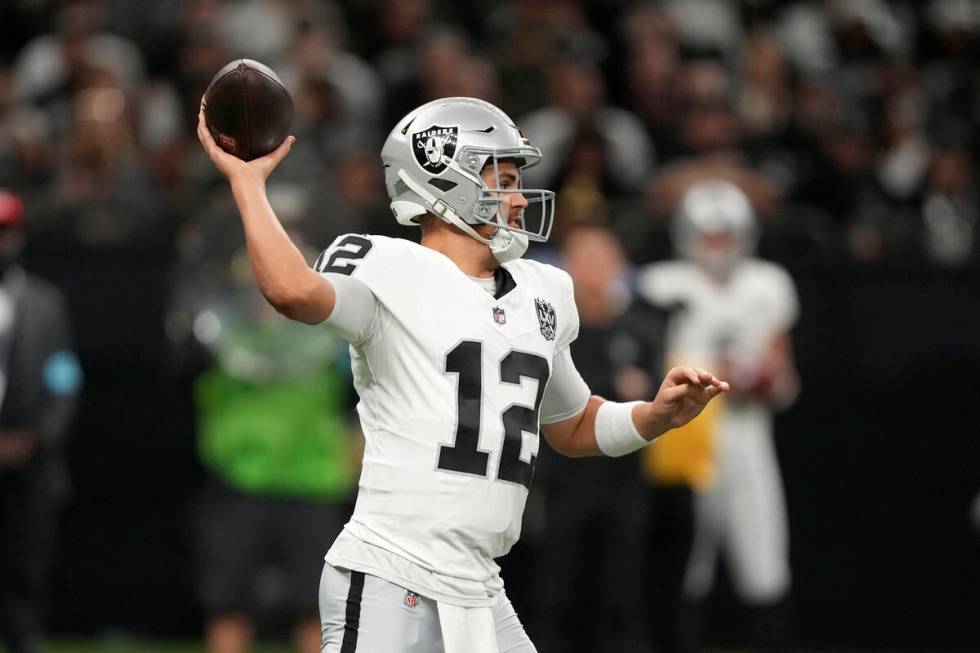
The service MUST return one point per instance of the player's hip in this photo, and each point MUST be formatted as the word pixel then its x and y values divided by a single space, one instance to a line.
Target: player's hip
pixel 363 613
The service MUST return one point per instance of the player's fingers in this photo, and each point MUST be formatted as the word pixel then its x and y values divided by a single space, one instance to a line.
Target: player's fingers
pixel 280 152
pixel 203 134
pixel 711 392
pixel 684 375
pixel 705 377
pixel 675 393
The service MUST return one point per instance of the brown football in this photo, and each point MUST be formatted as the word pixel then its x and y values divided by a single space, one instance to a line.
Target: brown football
pixel 247 109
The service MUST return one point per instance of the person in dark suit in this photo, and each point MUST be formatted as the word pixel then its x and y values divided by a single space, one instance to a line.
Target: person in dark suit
pixel 596 507
pixel 39 380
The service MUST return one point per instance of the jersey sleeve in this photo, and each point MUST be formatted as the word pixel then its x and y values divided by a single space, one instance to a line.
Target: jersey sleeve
pixel 568 331
pixel 567 393
pixel 786 303
pixel 657 284
pixel 356 315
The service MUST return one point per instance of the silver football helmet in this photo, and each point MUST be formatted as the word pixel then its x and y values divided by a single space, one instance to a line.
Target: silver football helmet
pixel 715 209
pixel 433 160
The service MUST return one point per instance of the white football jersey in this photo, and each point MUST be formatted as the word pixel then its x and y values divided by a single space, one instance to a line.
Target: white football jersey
pixel 736 320
pixel 452 384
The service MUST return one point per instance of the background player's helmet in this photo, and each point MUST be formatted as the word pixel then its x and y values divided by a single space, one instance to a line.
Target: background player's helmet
pixel 715 226
pixel 433 159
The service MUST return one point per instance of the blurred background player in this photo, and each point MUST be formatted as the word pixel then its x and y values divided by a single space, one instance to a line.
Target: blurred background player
pixel 593 551
pixel 271 397
pixel 734 313
pixel 39 380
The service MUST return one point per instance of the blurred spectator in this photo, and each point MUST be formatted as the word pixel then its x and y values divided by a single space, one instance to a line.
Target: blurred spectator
pixel 39 380
pixel 707 26
pixel 949 204
pixel 764 96
pixel 236 27
pixel 444 65
pixel 653 56
pixel 734 314
pixel 318 53
pixel 948 51
pixel 594 550
pixel 24 152
pixel 578 102
pixel 904 157
pixel 200 55
pixel 102 194
pixel 272 433
pixel 527 38
pixel 355 191
pixel 51 68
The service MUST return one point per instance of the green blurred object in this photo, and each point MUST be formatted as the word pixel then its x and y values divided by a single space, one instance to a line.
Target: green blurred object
pixel 271 407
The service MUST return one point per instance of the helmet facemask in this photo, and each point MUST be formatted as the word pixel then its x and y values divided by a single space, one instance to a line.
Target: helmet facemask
pixel 536 219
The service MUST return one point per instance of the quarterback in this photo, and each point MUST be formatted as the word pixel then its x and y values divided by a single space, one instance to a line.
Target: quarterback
pixel 460 357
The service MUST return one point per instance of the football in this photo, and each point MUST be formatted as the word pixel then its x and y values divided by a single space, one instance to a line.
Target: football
pixel 247 109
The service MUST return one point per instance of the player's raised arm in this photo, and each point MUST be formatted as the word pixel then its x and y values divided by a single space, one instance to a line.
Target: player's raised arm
pixel 280 270
pixel 615 429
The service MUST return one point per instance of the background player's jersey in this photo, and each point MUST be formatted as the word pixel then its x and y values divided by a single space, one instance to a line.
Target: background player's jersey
pixel 710 320
pixel 734 322
pixel 451 383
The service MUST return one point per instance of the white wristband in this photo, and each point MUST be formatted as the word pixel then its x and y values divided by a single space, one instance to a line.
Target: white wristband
pixel 615 432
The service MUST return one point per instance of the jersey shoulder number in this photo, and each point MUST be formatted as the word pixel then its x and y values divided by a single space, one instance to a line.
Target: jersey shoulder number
pixel 344 254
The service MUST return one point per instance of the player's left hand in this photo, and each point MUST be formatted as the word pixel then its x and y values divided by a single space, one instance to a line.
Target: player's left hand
pixel 682 396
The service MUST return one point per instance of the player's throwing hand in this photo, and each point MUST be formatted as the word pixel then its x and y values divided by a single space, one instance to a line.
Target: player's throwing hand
pixel 231 166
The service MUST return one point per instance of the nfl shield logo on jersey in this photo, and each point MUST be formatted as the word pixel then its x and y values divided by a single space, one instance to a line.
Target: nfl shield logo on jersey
pixel 546 318
pixel 430 144
pixel 499 316
pixel 411 599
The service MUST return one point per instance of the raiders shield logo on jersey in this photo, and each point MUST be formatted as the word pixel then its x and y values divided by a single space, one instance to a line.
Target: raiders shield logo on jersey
pixel 546 318
pixel 430 144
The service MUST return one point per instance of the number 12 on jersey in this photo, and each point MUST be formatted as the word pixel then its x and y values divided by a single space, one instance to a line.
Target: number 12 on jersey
pixel 466 362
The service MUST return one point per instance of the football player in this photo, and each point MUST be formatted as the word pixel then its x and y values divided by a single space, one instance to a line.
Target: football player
pixel 733 312
pixel 460 354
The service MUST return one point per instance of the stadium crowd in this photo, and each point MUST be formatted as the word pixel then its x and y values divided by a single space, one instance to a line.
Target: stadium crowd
pixel 629 101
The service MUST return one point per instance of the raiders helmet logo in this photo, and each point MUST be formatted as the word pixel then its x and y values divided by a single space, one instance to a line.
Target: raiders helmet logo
pixel 429 145
pixel 546 318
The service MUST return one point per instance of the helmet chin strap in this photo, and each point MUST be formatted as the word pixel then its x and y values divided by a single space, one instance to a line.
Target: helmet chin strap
pixel 505 245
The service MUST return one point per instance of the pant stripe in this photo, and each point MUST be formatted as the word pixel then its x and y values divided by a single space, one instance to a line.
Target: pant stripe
pixel 353 612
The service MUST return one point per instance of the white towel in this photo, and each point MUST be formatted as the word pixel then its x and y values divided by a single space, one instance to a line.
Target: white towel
pixel 467 630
